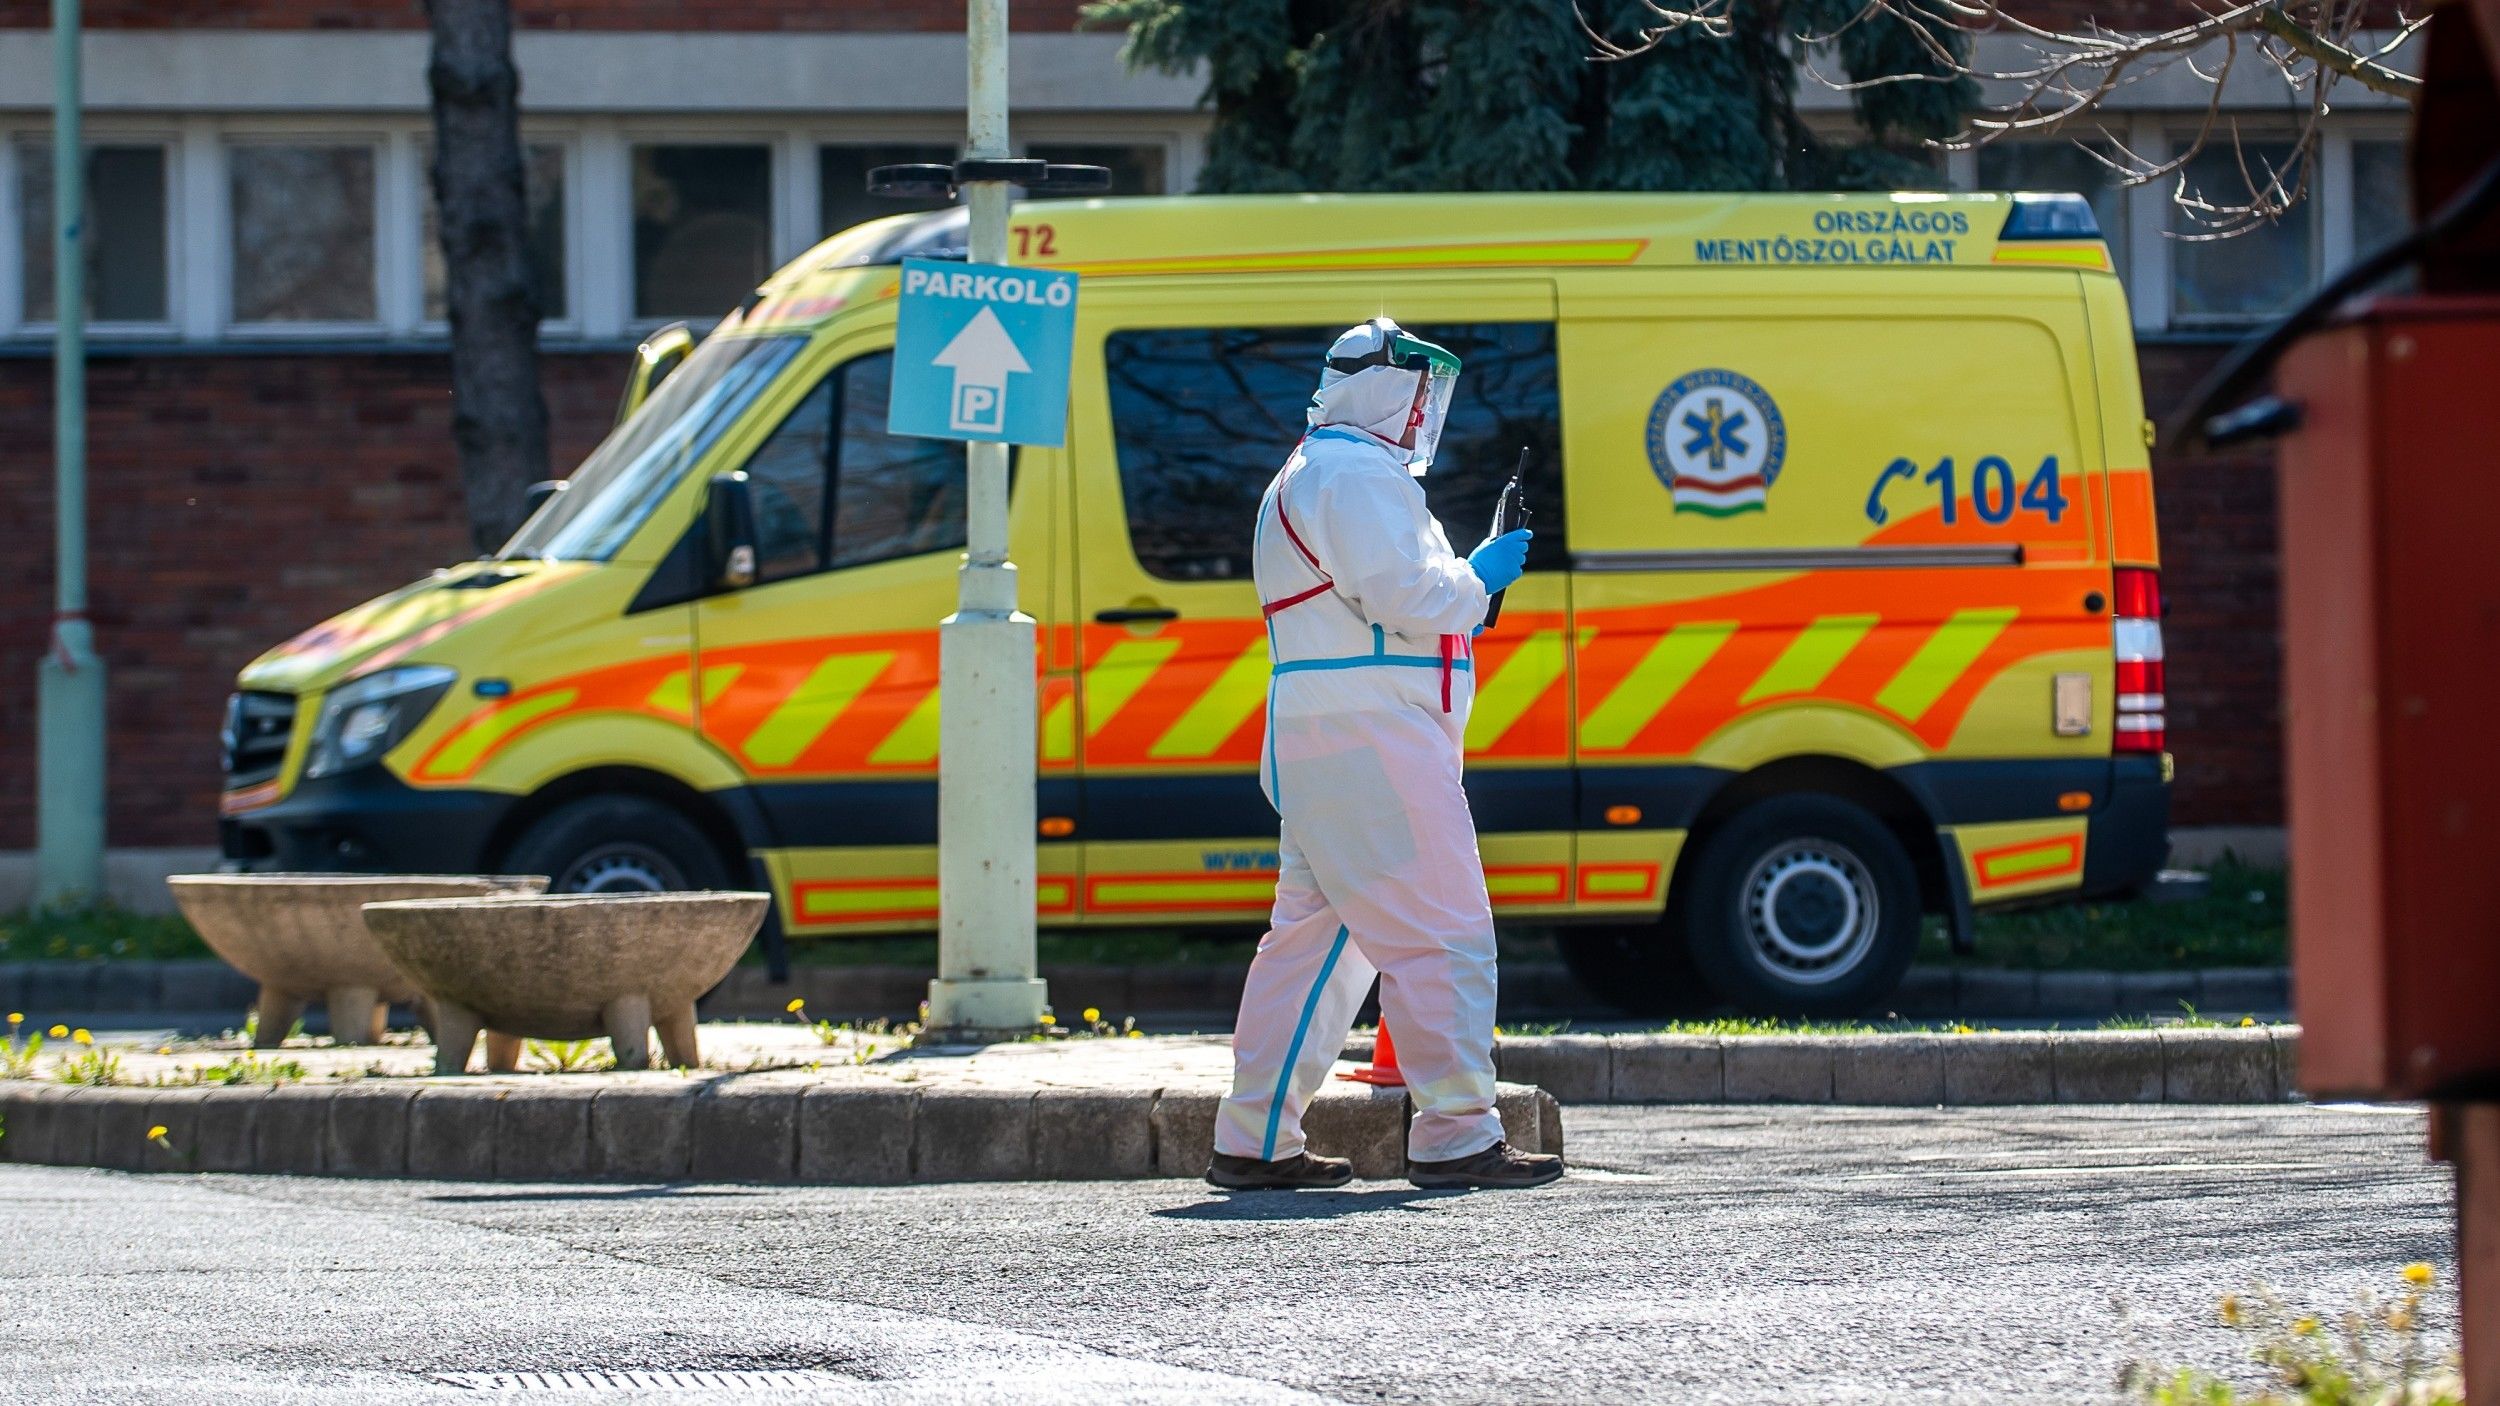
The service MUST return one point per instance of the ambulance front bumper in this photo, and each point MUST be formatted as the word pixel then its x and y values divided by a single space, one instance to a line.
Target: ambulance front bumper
pixel 365 822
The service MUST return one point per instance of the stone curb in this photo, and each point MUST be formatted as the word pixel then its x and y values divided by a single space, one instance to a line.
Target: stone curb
pixel 1210 989
pixel 2230 1065
pixel 757 1128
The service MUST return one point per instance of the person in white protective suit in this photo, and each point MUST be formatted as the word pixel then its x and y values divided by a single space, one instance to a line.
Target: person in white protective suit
pixel 1370 618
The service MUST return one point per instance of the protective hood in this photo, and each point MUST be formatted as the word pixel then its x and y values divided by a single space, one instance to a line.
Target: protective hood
pixel 1370 384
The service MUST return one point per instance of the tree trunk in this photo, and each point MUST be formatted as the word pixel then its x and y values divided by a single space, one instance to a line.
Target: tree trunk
pixel 499 416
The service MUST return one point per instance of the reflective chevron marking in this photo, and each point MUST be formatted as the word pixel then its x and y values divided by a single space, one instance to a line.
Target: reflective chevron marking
pixel 672 695
pixel 1220 711
pixel 1653 684
pixel 1059 730
pixel 832 686
pixel 481 734
pixel 1945 657
pixel 914 740
pixel 1811 656
pixel 1515 687
pixel 1123 670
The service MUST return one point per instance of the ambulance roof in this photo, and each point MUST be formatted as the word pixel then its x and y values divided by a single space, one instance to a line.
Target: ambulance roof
pixel 1166 235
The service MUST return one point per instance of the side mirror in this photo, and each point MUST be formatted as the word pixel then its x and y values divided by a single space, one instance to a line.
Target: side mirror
pixel 729 531
pixel 536 496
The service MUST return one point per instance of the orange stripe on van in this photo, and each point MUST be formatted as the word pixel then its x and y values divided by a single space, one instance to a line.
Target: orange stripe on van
pixel 2131 519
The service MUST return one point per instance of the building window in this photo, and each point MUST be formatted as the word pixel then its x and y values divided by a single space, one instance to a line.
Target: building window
pixel 2382 196
pixel 2062 167
pixel 1135 170
pixel 2253 274
pixel 302 232
pixel 842 198
pixel 1202 418
pixel 543 190
pixel 125 231
pixel 703 220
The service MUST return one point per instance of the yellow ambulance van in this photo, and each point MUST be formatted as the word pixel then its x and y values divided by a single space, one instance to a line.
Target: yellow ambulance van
pixel 1844 606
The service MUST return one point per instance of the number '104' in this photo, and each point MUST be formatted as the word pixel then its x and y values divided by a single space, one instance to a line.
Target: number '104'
pixel 1992 489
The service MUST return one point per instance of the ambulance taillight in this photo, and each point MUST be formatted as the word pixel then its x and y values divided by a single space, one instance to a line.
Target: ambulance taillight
pixel 2136 635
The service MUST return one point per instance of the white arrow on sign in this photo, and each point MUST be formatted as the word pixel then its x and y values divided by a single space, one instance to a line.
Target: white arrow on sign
pixel 982 357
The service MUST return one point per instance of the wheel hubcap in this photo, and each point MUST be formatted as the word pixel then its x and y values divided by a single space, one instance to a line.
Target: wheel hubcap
pixel 620 869
pixel 1811 913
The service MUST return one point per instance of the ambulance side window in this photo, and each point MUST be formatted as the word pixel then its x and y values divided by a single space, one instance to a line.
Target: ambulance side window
pixel 893 496
pixel 1202 418
pixel 786 483
pixel 889 497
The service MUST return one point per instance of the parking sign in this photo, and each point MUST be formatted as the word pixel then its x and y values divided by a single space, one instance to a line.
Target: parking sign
pixel 981 352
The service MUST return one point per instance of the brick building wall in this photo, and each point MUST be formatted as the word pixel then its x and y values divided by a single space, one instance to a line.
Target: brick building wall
pixel 238 498
pixel 234 499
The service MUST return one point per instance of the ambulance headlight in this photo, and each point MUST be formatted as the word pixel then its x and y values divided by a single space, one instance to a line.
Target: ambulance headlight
pixel 362 720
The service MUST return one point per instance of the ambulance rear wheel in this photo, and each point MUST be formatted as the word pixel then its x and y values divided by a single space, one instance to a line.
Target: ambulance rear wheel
pixel 1801 906
pixel 617 844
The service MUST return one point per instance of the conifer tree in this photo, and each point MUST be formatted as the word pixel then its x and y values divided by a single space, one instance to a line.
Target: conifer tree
pixel 1389 95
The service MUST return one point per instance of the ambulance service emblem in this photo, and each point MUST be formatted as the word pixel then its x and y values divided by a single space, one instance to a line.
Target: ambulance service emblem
pixel 1716 440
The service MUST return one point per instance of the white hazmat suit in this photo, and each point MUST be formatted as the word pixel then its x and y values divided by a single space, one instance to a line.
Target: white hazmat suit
pixel 1370 614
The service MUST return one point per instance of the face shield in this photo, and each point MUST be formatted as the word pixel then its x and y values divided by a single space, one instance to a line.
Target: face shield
pixel 1425 374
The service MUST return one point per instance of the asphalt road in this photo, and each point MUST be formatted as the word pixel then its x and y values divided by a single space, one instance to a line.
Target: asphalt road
pixel 1697 1255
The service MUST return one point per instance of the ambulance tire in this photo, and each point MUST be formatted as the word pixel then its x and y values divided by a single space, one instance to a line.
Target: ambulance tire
pixel 1640 970
pixel 1801 905
pixel 618 844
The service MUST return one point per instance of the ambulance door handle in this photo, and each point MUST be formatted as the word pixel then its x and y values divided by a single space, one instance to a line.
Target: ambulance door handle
pixel 1136 615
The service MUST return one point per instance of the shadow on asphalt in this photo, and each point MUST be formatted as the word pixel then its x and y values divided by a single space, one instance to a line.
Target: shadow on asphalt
pixel 1301 1205
pixel 614 1193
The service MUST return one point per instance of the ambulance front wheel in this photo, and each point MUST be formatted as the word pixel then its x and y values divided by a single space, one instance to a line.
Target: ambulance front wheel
pixel 1801 906
pixel 617 844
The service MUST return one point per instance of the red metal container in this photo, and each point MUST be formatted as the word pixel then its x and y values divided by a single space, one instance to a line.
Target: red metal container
pixel 2390 494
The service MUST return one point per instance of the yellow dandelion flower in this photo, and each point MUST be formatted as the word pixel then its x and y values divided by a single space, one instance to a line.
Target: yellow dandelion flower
pixel 164 1049
pixel 2420 1272
pixel 156 1132
pixel 58 1032
pixel 1137 1034
pixel 2306 1327
pixel 796 1005
pixel 1092 1015
pixel 2231 1309
pixel 81 1036
pixel 2247 1020
pixel 17 1017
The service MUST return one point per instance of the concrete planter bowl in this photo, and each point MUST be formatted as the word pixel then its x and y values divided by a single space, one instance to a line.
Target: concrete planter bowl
pixel 303 936
pixel 567 967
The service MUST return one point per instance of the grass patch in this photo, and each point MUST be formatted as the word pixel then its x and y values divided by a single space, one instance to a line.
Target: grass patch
pixel 97 933
pixel 2240 922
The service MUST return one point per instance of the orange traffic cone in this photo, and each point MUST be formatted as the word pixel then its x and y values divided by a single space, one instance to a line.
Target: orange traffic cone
pixel 1383 1070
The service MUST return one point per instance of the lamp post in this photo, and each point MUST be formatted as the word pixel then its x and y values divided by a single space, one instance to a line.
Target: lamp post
pixel 69 682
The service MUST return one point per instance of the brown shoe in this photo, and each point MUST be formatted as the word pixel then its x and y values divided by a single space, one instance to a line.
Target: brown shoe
pixel 1300 1171
pixel 1499 1167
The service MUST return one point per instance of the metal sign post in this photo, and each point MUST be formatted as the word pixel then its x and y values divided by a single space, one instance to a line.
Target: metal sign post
pixel 69 683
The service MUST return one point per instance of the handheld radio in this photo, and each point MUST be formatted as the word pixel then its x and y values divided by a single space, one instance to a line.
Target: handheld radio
pixel 1510 513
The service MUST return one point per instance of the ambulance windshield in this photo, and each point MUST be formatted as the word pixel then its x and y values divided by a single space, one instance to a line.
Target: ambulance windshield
pixel 617 487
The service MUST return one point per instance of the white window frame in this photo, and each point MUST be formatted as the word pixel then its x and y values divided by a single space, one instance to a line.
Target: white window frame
pixel 392 153
pixel 568 142
pixel 13 316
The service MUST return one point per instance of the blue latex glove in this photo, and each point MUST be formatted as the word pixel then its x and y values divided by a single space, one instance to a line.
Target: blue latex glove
pixel 1500 560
